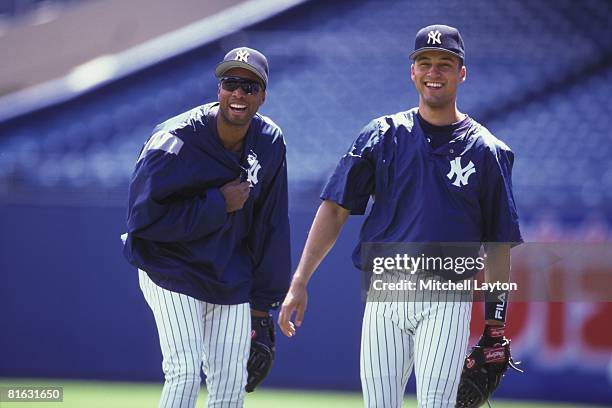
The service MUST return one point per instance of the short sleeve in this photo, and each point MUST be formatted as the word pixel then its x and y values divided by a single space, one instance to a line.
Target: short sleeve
pixel 353 180
pixel 499 214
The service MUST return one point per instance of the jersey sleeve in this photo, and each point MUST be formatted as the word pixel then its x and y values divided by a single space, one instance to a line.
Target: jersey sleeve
pixel 158 208
pixel 269 241
pixel 500 218
pixel 352 182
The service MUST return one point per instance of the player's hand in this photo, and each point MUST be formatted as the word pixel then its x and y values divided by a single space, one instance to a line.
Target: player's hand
pixel 295 302
pixel 235 193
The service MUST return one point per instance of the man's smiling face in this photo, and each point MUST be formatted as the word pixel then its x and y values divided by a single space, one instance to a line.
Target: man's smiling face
pixel 436 75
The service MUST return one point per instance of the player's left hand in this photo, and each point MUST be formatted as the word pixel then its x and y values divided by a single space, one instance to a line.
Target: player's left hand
pixel 484 368
pixel 262 351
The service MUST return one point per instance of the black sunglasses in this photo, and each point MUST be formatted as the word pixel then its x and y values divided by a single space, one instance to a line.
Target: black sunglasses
pixel 247 85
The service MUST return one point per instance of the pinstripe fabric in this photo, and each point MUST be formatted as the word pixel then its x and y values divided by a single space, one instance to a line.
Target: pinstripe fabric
pixel 406 329
pixel 195 334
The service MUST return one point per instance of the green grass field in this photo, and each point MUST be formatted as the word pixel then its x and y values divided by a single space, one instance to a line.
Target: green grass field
pixel 85 394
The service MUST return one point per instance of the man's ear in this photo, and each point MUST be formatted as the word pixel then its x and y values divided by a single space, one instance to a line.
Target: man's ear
pixel 463 73
pixel 412 71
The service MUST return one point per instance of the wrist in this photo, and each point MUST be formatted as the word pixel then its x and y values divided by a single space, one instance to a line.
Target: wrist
pixel 299 281
pixel 496 306
pixel 492 334
pixel 259 313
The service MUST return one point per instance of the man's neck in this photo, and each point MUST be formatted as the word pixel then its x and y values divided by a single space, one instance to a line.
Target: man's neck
pixel 440 117
pixel 232 137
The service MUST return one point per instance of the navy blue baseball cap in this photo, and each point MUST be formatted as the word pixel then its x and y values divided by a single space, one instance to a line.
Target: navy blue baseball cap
pixel 439 37
pixel 247 58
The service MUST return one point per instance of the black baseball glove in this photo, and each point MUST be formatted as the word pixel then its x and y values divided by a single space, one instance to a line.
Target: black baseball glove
pixel 484 368
pixel 262 350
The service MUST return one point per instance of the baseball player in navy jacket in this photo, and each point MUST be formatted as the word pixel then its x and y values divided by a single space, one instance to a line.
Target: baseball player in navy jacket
pixel 208 230
pixel 435 176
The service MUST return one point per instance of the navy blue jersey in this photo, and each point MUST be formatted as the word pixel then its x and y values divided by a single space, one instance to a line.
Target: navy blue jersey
pixel 459 192
pixel 178 229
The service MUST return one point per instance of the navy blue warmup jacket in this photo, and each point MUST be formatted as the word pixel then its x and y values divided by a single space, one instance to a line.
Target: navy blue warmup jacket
pixel 178 230
pixel 460 192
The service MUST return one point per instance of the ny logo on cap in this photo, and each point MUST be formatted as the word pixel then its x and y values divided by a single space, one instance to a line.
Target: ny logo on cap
pixel 242 55
pixel 434 37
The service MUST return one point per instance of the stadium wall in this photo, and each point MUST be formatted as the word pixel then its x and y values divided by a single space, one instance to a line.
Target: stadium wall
pixel 71 308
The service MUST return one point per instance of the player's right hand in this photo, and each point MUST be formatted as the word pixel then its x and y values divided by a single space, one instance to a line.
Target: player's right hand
pixel 235 193
pixel 295 302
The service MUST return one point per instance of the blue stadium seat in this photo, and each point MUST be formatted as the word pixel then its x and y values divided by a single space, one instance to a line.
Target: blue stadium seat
pixel 335 66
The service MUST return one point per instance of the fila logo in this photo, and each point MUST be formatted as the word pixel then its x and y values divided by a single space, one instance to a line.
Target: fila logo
pixel 463 173
pixel 499 308
pixel 253 169
pixel 242 55
pixel 433 37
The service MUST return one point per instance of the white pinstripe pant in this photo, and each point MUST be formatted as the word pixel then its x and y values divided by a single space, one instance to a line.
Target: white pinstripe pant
pixel 195 334
pixel 402 330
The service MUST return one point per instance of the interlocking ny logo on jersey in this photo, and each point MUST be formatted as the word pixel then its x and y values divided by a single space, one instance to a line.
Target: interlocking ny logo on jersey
pixel 242 55
pixel 462 173
pixel 433 37
pixel 253 169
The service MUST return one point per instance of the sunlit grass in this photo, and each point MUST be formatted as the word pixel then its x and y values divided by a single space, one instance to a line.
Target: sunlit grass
pixel 95 394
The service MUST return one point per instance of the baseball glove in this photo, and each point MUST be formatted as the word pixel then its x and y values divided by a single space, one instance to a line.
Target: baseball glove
pixel 484 368
pixel 262 351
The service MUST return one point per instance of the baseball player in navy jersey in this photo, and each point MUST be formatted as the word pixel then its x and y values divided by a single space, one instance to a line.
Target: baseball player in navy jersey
pixel 208 230
pixel 435 176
